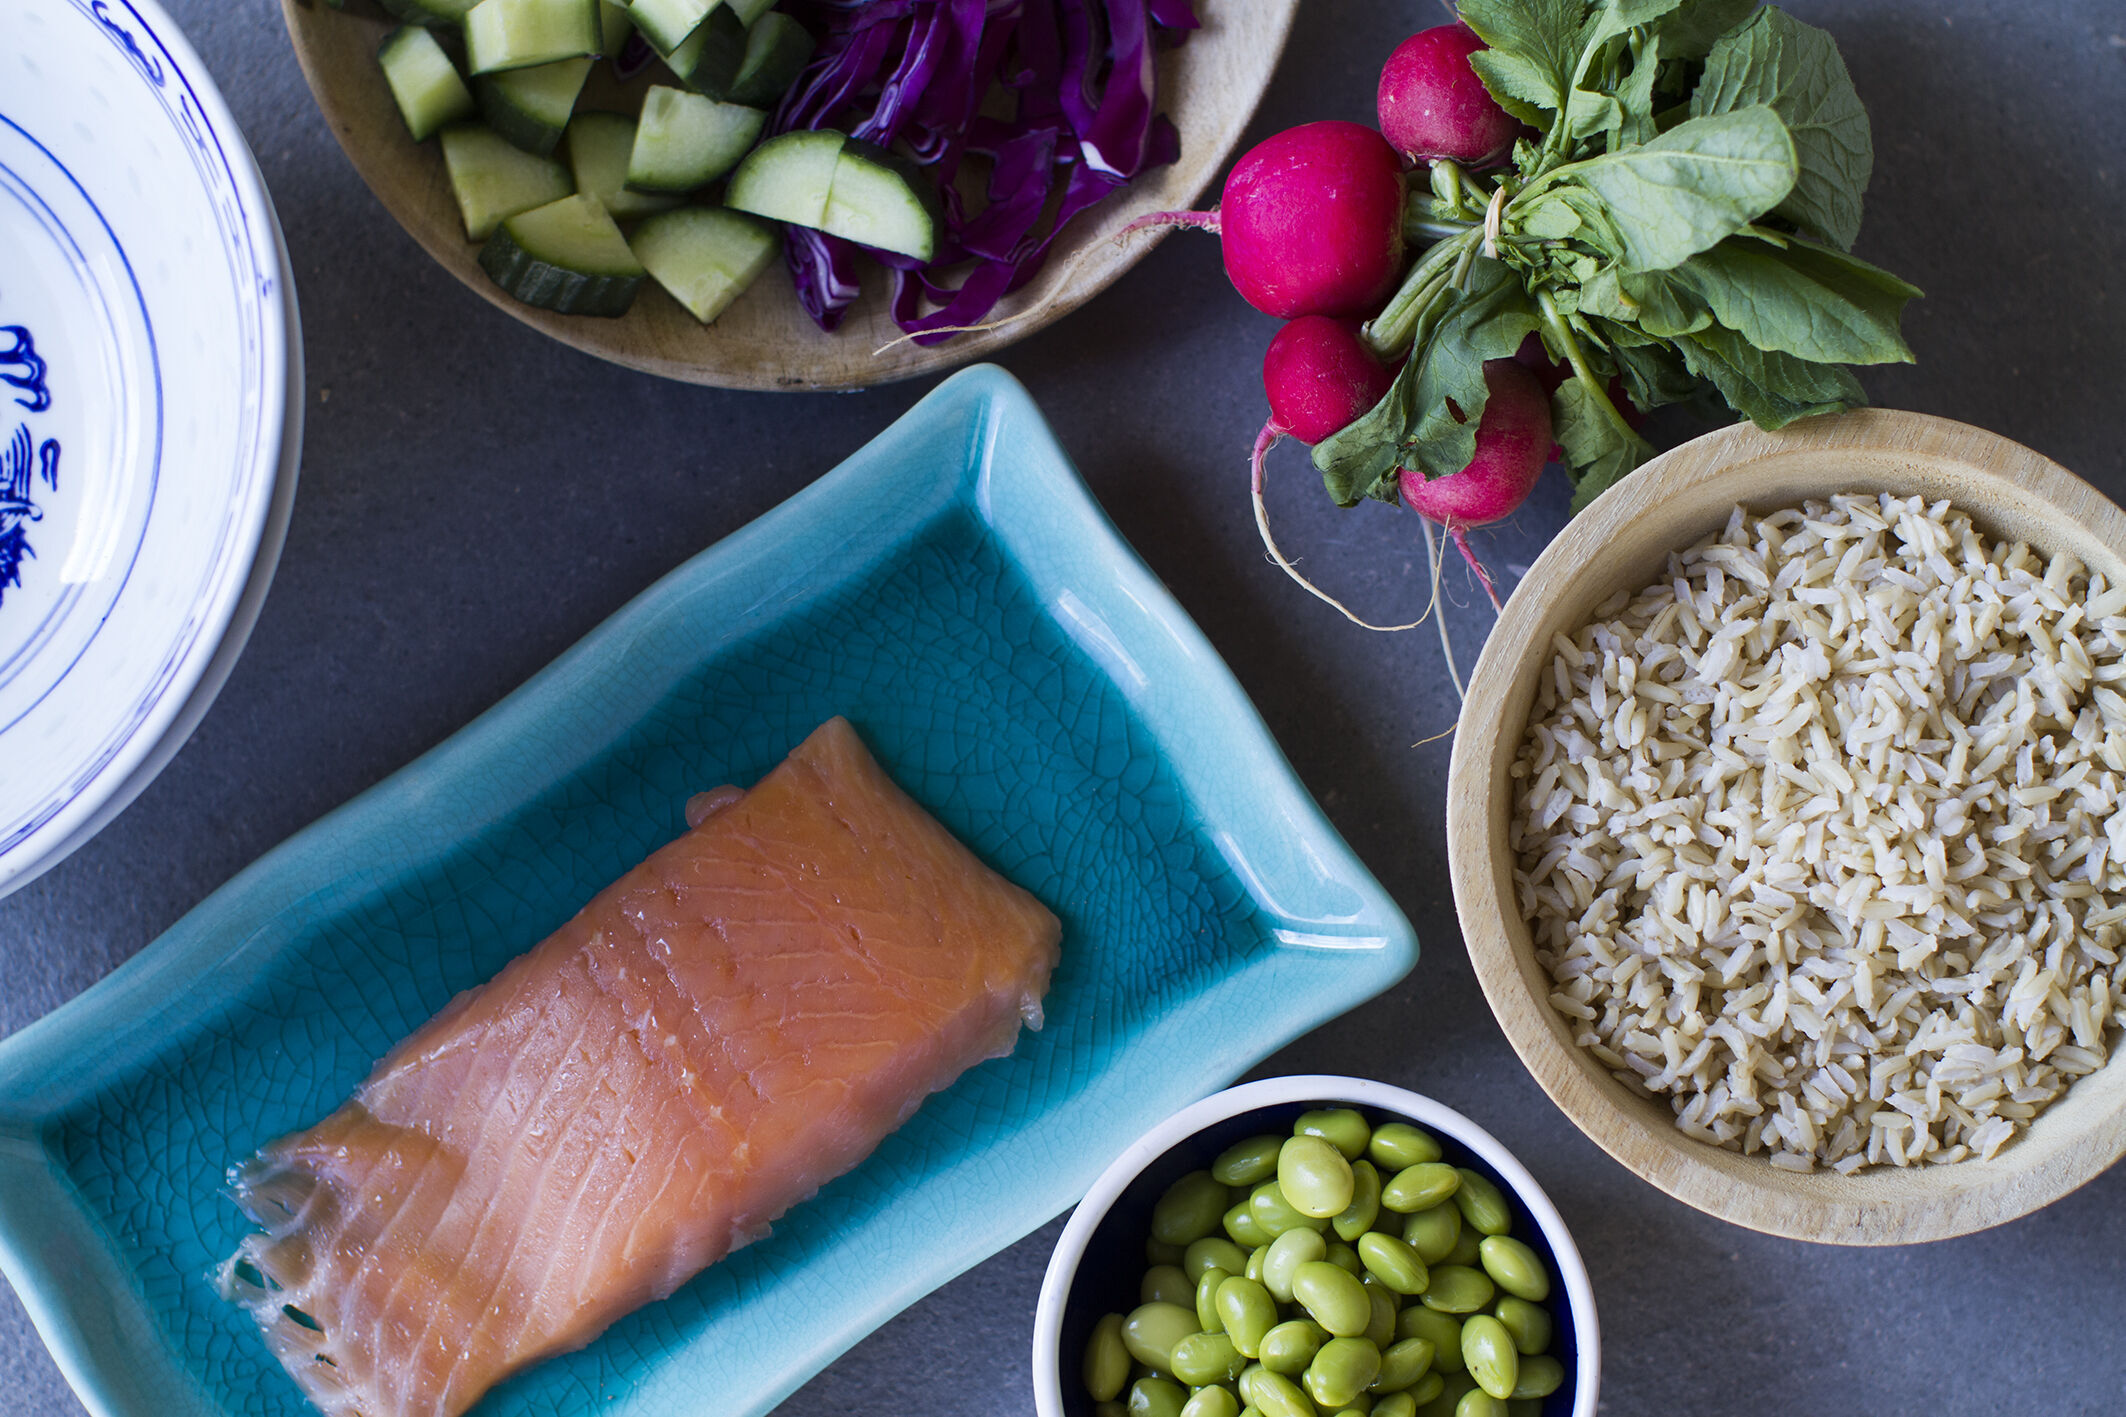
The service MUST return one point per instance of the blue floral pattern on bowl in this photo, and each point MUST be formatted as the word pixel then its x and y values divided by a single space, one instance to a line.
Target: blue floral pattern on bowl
pixel 22 460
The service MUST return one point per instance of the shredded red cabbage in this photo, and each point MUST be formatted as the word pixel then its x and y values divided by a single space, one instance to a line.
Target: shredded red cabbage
pixel 1057 96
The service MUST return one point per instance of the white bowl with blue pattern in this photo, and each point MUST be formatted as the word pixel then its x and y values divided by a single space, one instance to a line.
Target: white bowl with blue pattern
pixel 150 410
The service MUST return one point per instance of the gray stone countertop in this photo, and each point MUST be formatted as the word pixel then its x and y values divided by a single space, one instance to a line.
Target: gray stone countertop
pixel 475 497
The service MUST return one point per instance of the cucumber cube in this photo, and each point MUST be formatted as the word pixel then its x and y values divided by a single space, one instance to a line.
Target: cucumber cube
pixel 705 257
pixel 530 107
pixel 788 177
pixel 598 148
pixel 493 179
pixel 515 34
pixel 686 141
pixel 424 83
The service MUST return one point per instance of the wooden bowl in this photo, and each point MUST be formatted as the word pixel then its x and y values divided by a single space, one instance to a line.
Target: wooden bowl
pixel 1208 86
pixel 1620 543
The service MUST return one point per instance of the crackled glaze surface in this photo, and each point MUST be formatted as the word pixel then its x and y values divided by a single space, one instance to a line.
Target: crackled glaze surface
pixel 1011 665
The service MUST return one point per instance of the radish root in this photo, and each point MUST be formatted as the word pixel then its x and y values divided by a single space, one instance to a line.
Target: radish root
pixel 1270 436
pixel 1200 221
pixel 1446 645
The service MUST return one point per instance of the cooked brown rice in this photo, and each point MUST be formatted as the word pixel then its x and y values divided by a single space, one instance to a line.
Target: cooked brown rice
pixel 1820 835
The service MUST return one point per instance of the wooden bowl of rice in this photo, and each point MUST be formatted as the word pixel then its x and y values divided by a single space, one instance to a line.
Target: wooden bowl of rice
pixel 1702 924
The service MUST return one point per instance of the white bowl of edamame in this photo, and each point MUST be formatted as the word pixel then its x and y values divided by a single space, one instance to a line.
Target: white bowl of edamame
pixel 1393 1259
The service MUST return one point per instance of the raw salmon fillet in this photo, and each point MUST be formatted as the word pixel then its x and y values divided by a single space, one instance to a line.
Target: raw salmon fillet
pixel 733 1023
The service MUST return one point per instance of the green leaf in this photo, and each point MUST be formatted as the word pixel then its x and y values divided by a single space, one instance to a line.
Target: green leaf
pixel 1808 300
pixel 1654 374
pixel 1767 387
pixel 1534 51
pixel 1490 320
pixel 1656 301
pixel 1527 90
pixel 1635 96
pixel 1593 113
pixel 1613 17
pixel 1361 459
pixel 1690 32
pixel 1796 69
pixel 1598 449
pixel 1692 187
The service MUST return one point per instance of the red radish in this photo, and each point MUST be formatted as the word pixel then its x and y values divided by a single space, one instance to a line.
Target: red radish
pixel 1512 444
pixel 1319 376
pixel 1311 220
pixel 1433 105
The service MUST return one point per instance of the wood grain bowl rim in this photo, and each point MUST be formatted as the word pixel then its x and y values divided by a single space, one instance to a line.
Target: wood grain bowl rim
pixel 1620 543
pixel 1210 86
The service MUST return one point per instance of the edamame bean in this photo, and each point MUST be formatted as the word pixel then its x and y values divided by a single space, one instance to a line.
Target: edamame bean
pixel 1110 1409
pixel 1257 1258
pixel 1342 1370
pixel 1249 1313
pixel 1240 1225
pixel 1212 1402
pixel 1452 1388
pixel 1274 1214
pixel 1251 1410
pixel 1333 1298
pixel 1403 1363
pixel 1444 1331
pixel 1420 1187
pixel 1192 1208
pixel 1392 1262
pixel 1380 1328
pixel 1482 1204
pixel 1278 1396
pixel 1346 1258
pixel 1396 1404
pixel 1286 1254
pixel 1212 1252
pixel 1156 1397
pixel 1465 1251
pixel 1245 1163
pixel 1166 1284
pixel 1359 1216
pixel 1159 1252
pixel 1514 1267
pixel 1205 1358
pixel 1489 1354
pixel 1207 1300
pixel 1478 1403
pixel 1541 1376
pixel 1398 1144
pixel 1290 1346
pixel 1433 1232
pixel 1106 1368
pixel 1458 1289
pixel 1151 1331
pixel 1315 1177
pixel 1528 1323
pixel 1342 1127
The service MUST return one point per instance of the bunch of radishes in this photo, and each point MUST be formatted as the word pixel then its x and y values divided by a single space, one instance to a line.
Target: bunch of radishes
pixel 1312 223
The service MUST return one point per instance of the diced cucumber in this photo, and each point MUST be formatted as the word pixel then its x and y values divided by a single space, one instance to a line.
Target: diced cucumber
pixel 704 256
pixel 566 256
pixel 664 23
pixel 426 12
pixel 423 81
pixel 884 201
pixel 707 60
pixel 615 24
pixel 777 48
pixel 684 140
pixel 748 12
pixel 530 107
pixel 788 177
pixel 598 148
pixel 516 34
pixel 493 179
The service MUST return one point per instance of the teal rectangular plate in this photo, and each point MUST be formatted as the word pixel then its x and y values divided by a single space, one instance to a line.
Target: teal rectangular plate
pixel 952 588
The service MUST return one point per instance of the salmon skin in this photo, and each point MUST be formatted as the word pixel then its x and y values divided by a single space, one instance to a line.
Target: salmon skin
pixel 732 1024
